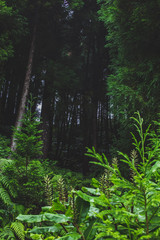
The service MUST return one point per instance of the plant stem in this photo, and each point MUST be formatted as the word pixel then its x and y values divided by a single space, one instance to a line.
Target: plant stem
pixel 64 228
pixel 146 215
pixel 142 139
pixel 78 230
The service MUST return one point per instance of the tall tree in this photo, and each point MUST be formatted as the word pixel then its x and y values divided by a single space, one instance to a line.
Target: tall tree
pixel 25 90
pixel 133 40
pixel 12 29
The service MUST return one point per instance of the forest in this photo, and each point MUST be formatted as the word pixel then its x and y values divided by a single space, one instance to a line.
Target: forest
pixel 79 119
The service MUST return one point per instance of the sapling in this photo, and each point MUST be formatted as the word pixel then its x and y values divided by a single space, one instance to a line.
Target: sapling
pixel 28 138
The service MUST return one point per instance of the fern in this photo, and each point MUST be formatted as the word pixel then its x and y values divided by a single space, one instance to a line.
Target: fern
pixel 18 229
pixel 7 233
pixel 4 196
pixel 4 162
pixel 5 182
pixel 6 189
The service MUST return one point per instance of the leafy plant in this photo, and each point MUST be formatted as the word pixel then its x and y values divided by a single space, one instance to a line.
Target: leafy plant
pixel 4 147
pixel 8 209
pixel 27 173
pixel 6 189
pixel 28 138
pixel 131 206
pixel 64 219
pixel 115 207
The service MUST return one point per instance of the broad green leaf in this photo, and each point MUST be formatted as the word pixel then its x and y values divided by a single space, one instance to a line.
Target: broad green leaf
pixel 94 191
pixel 57 218
pixel 93 211
pixel 101 200
pixel 82 207
pixel 90 232
pixel 30 218
pixel 46 208
pixel 42 230
pixel 36 236
pixel 70 236
pixel 85 197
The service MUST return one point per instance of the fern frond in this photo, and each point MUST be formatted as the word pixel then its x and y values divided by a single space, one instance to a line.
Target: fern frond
pixel 7 233
pixel 18 229
pixel 4 162
pixel 5 182
pixel 18 208
pixel 4 196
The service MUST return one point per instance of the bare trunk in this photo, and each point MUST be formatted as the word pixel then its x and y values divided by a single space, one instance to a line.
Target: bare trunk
pixel 25 86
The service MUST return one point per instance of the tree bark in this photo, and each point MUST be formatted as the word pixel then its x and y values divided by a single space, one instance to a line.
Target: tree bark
pixel 25 90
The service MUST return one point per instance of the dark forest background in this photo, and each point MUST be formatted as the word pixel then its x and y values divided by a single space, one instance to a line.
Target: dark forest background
pixel 94 64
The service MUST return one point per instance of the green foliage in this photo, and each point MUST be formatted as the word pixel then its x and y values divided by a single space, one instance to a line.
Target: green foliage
pixel 13 231
pixel 4 147
pixel 115 207
pixel 8 209
pixel 133 43
pixel 64 218
pixel 28 139
pixel 32 188
pixel 7 233
pixel 26 173
pixel 6 189
pixel 12 27
pixel 18 229
pixel 131 206
pixel 76 4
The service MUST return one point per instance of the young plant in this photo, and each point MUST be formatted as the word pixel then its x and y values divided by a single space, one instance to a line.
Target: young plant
pixel 28 173
pixel 28 138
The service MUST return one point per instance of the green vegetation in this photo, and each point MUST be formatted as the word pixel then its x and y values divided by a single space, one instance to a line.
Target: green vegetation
pixel 114 207
pixel 88 66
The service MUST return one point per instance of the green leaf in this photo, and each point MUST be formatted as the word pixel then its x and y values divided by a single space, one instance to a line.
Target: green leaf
pixel 101 200
pixel 155 167
pixel 58 218
pixel 46 208
pixel 18 228
pixel 90 232
pixel 82 207
pixel 94 191
pixel 70 236
pixel 30 218
pixel 58 206
pixel 43 230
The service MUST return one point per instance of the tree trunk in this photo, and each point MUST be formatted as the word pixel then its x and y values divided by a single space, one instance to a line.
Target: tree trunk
pixel 25 90
pixel 94 123
pixel 47 118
